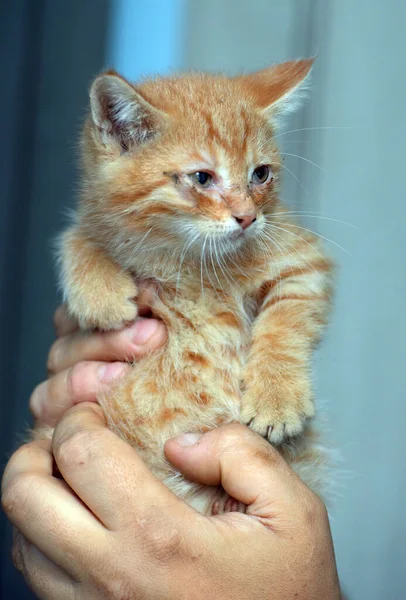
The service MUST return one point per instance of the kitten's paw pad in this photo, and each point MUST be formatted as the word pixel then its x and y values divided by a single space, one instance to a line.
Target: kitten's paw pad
pixel 277 426
pixel 106 307
pixel 225 504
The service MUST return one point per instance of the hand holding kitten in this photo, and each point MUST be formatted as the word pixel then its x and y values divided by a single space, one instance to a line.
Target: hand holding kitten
pixel 80 364
pixel 110 529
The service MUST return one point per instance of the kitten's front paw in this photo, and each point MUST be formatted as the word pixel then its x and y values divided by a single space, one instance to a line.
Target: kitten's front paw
pixel 105 305
pixel 280 413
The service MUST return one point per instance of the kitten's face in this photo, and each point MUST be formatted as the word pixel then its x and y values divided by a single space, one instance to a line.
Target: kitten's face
pixel 189 164
pixel 215 172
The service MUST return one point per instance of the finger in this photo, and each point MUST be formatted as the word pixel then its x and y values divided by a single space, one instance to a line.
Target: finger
pixel 81 383
pixel 44 578
pixel 34 457
pixel 248 467
pixel 63 323
pixel 107 473
pixel 46 511
pixel 134 342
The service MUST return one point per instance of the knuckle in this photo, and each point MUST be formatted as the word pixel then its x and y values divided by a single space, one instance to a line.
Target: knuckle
pixel 54 356
pixel 76 379
pixel 164 541
pixel 228 440
pixel 59 316
pixel 16 460
pixel 118 345
pixel 72 449
pixel 16 493
pixel 76 448
pixel 231 434
pixel 118 585
pixel 35 403
pixel 112 342
pixel 238 437
pixel 52 390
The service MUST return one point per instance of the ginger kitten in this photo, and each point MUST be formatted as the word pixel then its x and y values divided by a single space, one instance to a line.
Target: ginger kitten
pixel 180 186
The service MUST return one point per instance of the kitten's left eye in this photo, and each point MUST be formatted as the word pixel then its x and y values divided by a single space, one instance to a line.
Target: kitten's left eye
pixel 202 178
pixel 261 175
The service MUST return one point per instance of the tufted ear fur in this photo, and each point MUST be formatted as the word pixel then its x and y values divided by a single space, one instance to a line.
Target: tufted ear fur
pixel 279 88
pixel 121 114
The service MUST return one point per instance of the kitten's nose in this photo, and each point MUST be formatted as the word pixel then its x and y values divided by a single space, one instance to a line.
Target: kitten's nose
pixel 245 220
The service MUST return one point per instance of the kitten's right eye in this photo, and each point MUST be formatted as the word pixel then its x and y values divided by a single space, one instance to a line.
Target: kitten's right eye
pixel 202 178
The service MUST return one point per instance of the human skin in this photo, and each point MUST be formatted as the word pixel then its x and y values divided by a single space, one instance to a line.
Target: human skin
pixel 106 528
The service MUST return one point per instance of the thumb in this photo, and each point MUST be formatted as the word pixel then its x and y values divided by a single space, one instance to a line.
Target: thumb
pixel 243 463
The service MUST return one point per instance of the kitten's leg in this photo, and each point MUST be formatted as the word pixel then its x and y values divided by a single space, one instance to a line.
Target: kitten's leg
pixel 278 395
pixel 98 292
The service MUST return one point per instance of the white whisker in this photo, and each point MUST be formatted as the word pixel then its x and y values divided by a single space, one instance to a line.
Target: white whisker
pixel 303 158
pixel 308 129
pixel 273 241
pixel 182 258
pixel 293 175
pixel 299 238
pixel 201 265
pixel 318 235
pixel 314 215
pixel 208 237
pixel 302 255
pixel 212 261
pixel 221 264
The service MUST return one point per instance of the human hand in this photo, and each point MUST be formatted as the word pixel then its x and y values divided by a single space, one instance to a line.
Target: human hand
pixel 79 364
pixel 109 529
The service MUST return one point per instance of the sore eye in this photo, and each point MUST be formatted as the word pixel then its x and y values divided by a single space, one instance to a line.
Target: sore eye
pixel 261 175
pixel 202 178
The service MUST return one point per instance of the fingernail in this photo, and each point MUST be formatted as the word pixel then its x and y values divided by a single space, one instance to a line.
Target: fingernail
pixel 188 439
pixel 143 330
pixel 111 371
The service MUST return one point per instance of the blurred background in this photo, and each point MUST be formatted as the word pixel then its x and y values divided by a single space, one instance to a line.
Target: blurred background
pixel 345 161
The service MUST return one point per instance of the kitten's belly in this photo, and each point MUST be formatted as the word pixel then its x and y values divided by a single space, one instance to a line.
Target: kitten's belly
pixel 192 384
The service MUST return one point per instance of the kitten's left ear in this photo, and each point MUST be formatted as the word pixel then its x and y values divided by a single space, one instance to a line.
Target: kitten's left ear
pixel 121 114
pixel 279 88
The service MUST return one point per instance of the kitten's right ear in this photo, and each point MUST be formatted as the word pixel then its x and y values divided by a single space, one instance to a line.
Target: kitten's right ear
pixel 121 114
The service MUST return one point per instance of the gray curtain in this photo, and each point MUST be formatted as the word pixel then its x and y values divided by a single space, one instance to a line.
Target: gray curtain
pixel 49 51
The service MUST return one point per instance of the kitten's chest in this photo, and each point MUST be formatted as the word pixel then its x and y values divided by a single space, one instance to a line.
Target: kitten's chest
pixel 208 341
pixel 211 322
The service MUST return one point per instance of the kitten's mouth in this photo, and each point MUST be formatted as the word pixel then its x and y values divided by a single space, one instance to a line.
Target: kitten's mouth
pixel 236 239
pixel 236 235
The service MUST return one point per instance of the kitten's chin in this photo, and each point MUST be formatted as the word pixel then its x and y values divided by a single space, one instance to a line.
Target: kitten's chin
pixel 239 238
pixel 236 242
pixel 237 235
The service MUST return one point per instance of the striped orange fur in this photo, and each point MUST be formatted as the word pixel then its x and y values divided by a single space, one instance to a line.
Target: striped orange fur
pixel 244 291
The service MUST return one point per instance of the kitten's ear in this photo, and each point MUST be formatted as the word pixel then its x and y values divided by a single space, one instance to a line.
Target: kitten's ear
pixel 279 88
pixel 121 114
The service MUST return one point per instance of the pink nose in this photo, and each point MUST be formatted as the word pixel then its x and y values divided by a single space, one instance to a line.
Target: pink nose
pixel 245 220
